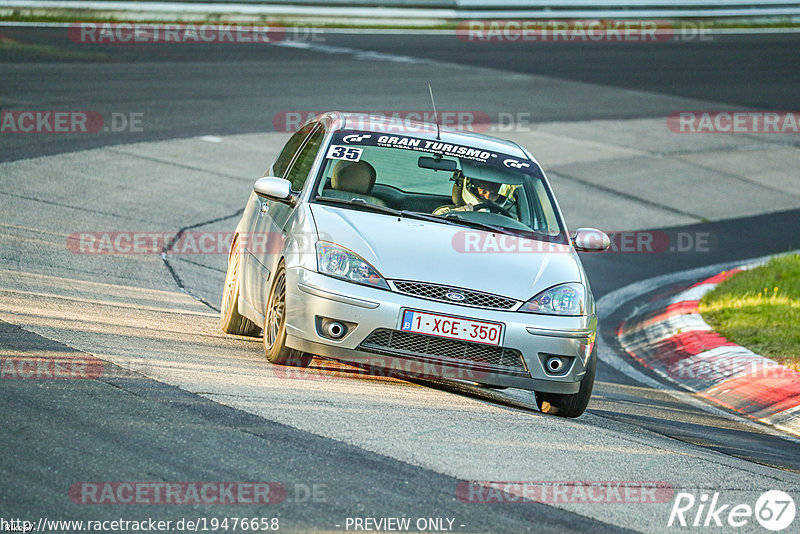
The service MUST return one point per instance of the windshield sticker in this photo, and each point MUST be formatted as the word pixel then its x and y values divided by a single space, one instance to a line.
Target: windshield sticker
pixel 462 152
pixel 347 153
pixel 515 164
pixel 436 147
pixel 355 138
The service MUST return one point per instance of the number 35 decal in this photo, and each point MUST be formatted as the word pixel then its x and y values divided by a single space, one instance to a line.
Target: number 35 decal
pixel 348 153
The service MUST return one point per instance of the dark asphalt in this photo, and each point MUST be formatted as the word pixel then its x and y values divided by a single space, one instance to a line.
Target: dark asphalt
pixel 195 89
pixel 124 427
pixel 753 71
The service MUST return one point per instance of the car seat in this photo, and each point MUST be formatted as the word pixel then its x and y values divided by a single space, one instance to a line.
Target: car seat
pixel 353 179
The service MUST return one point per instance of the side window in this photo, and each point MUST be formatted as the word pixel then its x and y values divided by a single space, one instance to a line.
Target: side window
pixel 305 159
pixel 289 150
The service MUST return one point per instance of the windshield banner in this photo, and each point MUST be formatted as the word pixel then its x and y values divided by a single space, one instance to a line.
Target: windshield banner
pixel 405 142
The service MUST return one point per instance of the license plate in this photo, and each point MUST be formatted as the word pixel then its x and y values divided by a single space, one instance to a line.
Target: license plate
pixel 435 324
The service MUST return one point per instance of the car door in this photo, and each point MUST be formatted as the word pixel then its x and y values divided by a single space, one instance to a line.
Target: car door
pixel 254 274
pixel 271 218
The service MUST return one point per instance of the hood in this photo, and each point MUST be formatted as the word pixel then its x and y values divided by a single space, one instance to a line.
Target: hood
pixel 409 249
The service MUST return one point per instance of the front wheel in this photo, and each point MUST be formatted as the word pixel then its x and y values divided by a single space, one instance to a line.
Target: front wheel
pixel 275 327
pixel 570 404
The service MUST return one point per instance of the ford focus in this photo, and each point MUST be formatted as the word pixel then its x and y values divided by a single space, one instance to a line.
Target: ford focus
pixel 435 252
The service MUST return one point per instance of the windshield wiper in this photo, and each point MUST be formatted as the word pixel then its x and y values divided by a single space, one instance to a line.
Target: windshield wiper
pixel 450 218
pixel 361 203
pixel 483 226
pixel 428 217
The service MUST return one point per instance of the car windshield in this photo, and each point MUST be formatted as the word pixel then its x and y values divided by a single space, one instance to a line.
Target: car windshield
pixel 448 182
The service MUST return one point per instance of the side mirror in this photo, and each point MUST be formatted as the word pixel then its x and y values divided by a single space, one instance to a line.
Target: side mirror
pixel 590 240
pixel 274 189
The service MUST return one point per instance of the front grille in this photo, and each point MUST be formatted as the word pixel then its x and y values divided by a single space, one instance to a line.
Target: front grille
pixel 439 293
pixel 386 341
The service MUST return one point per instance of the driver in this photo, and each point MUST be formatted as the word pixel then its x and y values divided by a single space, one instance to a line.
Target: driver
pixel 471 193
pixel 483 190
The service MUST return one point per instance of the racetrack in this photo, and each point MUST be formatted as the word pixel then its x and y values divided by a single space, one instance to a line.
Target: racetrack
pixel 183 402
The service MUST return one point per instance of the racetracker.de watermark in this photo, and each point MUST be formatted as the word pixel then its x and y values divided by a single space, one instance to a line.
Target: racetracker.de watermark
pixel 623 242
pixel 50 368
pixel 415 121
pixel 183 493
pixel 564 492
pixel 723 366
pixel 734 122
pixel 399 121
pixel 379 367
pixel 580 31
pixel 177 242
pixel 68 122
pixel 147 33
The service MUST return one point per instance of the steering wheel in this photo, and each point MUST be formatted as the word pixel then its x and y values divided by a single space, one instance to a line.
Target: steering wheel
pixel 493 207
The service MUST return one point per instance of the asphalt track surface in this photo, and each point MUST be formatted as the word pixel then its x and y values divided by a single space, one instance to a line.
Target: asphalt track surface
pixel 190 89
pixel 125 426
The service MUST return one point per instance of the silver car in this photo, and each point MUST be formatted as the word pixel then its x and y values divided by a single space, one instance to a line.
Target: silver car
pixel 426 253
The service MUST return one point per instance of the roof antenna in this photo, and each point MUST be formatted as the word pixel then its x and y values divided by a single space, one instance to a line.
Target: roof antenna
pixel 435 116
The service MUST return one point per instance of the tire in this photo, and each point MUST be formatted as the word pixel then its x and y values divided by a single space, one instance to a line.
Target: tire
pixel 231 321
pixel 570 404
pixel 275 347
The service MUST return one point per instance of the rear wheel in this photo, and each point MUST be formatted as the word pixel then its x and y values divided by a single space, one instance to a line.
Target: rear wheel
pixel 231 321
pixel 275 347
pixel 574 404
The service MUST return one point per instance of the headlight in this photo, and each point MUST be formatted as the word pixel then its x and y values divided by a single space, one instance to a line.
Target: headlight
pixel 339 262
pixel 566 299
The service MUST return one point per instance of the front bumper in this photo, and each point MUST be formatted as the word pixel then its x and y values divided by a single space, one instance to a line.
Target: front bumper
pixel 373 318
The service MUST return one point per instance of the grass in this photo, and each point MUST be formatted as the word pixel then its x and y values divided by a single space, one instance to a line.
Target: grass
pixel 34 52
pixel 301 22
pixel 760 309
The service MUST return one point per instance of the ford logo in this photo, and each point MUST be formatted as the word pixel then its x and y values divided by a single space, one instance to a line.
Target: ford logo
pixel 458 297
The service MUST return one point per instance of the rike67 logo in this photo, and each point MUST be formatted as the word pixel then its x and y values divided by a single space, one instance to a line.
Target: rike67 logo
pixel 774 510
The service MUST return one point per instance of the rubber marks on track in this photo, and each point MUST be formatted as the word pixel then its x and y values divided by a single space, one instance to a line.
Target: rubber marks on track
pixel 670 337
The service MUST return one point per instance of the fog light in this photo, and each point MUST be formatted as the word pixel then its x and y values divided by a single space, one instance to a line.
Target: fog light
pixel 333 328
pixel 555 364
